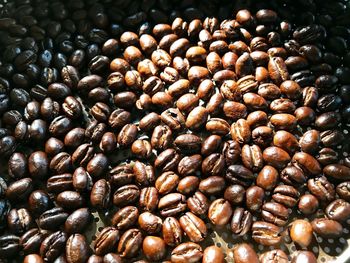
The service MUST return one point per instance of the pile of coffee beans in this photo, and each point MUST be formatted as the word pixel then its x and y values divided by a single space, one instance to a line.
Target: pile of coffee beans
pixel 170 119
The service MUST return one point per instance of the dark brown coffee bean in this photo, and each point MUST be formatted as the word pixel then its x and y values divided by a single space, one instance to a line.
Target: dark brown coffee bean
pixel 266 233
pixel 167 160
pixel 304 256
pixel 308 204
pixel 244 253
pixel 217 126
pixel 161 137
pixel 326 227
pixel 231 152
pixel 78 221
pixel 130 243
pixel 337 171
pixel 77 249
pixel 301 232
pixel 212 185
pixel 188 185
pixel 148 198
pixel 172 204
pixel 19 190
pixel 52 219
pixel 238 174
pixel 125 195
pixel 198 203
pixel 53 246
pixel 188 143
pixel 9 246
pixel 69 200
pixel 254 198
pixel 307 163
pixel 125 217
pixel 220 212
pixel 19 220
pixel 189 164
pixel 276 157
pixel 338 210
pixel 154 248
pixel 241 221
pixel 144 174
pixel 150 223
pixel 186 252
pixel 106 240
pixel 100 194
pixel 240 131
pixel 193 226
pixel 275 213
pixel 274 256
pixel 167 182
pixel 172 231
pixel 321 188
pixel 278 70
pixel 252 157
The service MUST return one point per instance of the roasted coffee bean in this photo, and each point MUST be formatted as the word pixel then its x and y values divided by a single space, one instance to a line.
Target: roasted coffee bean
pixel 106 240
pixel 286 195
pixel 172 204
pixel 77 249
pixel 150 223
pixel 254 196
pixel 308 204
pixel 77 221
pixel 130 243
pixel 198 203
pixel 9 246
pixel 275 213
pixel 338 210
pixel 100 194
pixel 144 174
pixel 252 157
pixel 217 126
pixel 193 226
pixel 19 220
pixel 231 151
pixel 167 160
pixel 301 232
pixel 125 217
pixel 31 240
pixel 161 137
pixel 188 143
pixel 220 212
pixel 172 231
pixel 167 182
pixel 148 198
pixel 266 233
pixel 212 185
pixel 304 256
pixel 186 252
pixel 19 190
pixel 307 163
pixel 244 253
pixel 125 195
pixel 321 188
pixel 241 221
pixel 267 177
pixel 239 174
pixel 52 219
pixel 337 171
pixel 240 131
pixel 17 165
pixel 53 246
pixel 154 248
pixel 188 185
pixel 274 256
pixel 326 227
